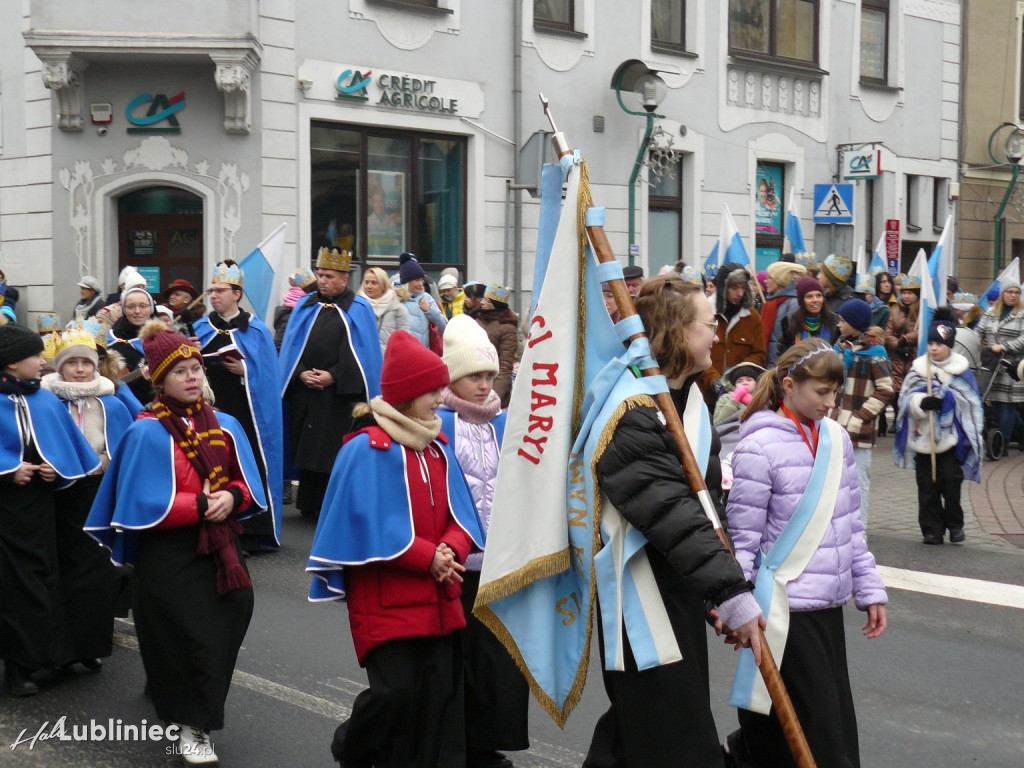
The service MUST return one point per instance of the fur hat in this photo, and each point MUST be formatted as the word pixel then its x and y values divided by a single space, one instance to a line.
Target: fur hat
pixel 467 349
pixel 837 269
pixel 410 369
pixel 164 349
pixel 410 270
pixel 857 313
pixel 16 343
pixel 807 285
pixel 943 327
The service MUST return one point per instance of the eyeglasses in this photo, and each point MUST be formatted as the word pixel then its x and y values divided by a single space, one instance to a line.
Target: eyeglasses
pixel 711 325
pixel 136 307
pixel 181 374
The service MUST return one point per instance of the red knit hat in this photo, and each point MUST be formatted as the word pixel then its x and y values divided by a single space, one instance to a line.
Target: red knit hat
pixel 164 348
pixel 410 369
pixel 807 285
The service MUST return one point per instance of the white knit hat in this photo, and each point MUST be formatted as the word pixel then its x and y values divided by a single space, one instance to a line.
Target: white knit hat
pixel 467 349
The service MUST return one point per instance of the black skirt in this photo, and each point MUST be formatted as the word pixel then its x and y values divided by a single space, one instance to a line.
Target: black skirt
pixel 815 672
pixel 189 635
pixel 89 580
pixel 32 626
pixel 412 714
pixel 497 694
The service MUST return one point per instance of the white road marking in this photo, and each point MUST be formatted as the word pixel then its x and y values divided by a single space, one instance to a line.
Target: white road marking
pixel 957 587
pixel 540 754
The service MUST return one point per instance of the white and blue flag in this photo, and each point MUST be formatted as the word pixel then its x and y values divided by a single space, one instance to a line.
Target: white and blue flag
pixel 263 268
pixel 794 231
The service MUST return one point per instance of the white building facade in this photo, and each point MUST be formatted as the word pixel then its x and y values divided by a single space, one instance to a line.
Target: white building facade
pixel 172 136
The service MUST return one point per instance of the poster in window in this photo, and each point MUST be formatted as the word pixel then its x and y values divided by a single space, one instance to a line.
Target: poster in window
pixel 142 242
pixel 768 204
pixel 385 230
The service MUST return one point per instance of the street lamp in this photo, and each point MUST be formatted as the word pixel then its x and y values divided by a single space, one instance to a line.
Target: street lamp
pixel 1012 151
pixel 633 76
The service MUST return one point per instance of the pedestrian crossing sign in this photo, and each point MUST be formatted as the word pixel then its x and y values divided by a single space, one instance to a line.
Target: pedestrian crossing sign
pixel 833 203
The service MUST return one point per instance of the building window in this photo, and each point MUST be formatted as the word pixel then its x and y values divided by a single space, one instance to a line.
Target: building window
pixel 913 222
pixel 668 25
pixel 557 15
pixel 874 41
pixel 379 193
pixel 778 29
pixel 769 213
pixel 939 202
pixel 665 219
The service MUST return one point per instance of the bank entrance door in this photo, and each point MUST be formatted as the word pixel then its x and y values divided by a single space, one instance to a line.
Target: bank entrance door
pixel 160 232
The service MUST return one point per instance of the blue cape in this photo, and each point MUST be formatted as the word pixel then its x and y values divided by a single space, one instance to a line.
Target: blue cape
pixel 448 424
pixel 58 440
pixel 257 346
pixel 362 334
pixel 367 515
pixel 139 485
pixel 124 393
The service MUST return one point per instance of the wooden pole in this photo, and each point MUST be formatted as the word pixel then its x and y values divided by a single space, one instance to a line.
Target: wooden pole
pixel 931 416
pixel 769 669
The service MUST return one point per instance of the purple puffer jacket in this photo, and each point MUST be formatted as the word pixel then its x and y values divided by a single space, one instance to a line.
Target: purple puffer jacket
pixel 476 447
pixel 771 466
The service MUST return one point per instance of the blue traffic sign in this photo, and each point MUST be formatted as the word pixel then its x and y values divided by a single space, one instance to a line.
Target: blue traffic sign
pixel 833 203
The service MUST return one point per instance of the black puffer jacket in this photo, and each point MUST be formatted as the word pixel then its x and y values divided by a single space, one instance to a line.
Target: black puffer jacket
pixel 641 473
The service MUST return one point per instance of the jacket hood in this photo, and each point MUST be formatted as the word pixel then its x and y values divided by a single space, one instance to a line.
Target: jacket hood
pixel 720 284
pixel 765 419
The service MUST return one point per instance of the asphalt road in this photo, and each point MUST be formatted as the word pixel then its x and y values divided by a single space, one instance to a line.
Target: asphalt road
pixel 942 688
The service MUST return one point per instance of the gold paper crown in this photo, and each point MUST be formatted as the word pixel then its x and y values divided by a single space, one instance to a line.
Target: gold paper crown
pixel 230 274
pixel 77 334
pixel 50 345
pixel 340 261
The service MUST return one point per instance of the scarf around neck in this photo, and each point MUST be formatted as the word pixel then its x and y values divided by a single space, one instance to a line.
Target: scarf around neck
pixel 12 385
pixel 382 303
pixel 205 446
pixel 72 391
pixel 405 430
pixel 474 413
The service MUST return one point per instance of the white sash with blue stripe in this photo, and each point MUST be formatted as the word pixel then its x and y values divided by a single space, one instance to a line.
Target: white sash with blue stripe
pixel 788 558
pixel 630 597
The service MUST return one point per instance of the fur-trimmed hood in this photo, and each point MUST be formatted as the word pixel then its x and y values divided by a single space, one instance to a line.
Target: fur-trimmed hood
pixel 721 281
pixel 954 365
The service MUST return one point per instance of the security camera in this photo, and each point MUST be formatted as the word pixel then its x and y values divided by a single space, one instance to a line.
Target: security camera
pixel 102 130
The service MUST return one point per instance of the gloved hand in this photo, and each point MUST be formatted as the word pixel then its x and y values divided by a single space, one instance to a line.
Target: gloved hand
pixel 742 394
pixel 1011 369
pixel 931 403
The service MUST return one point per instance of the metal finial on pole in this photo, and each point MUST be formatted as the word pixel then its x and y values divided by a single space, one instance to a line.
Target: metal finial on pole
pixel 558 140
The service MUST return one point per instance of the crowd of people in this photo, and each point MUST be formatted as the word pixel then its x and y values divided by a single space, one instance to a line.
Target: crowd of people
pixel 386 402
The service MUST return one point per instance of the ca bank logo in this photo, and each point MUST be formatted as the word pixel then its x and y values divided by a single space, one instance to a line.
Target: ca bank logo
pixel 160 109
pixel 351 84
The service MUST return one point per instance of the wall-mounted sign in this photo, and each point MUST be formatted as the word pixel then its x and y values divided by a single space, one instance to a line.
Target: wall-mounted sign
pixel 157 109
pixel 767 203
pixel 390 89
pixel 892 245
pixel 863 163
pixel 152 275
pixel 833 203
pixel 142 242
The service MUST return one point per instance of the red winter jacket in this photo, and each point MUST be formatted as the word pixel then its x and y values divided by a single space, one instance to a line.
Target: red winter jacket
pixel 187 486
pixel 399 598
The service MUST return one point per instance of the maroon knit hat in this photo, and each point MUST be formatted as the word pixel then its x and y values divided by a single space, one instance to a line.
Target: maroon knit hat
pixel 410 369
pixel 164 348
pixel 806 285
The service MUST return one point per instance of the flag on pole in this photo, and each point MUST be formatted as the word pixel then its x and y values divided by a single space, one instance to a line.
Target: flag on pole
pixel 536 584
pixel 1012 272
pixel 794 232
pixel 928 300
pixel 941 258
pixel 263 270
pixel 729 246
pixel 878 261
pixel 862 260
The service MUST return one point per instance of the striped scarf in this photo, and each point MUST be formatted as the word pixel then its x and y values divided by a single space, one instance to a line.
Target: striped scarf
pixel 197 432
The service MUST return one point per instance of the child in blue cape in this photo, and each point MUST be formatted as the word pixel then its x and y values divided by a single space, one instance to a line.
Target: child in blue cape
pixel 497 695
pixel 41 451
pixel 396 527
pixel 794 517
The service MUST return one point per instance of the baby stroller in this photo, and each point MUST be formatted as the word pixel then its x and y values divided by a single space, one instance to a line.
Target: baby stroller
pixel 984 365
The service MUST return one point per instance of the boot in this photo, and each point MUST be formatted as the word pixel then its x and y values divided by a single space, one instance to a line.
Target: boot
pixel 17 680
